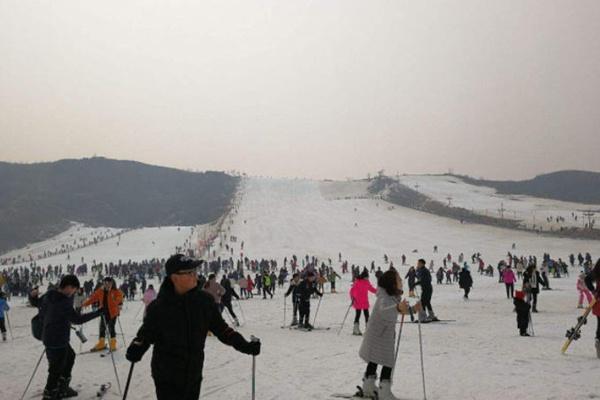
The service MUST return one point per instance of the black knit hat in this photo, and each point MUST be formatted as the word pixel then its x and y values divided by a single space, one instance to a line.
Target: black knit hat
pixel 180 262
pixel 69 280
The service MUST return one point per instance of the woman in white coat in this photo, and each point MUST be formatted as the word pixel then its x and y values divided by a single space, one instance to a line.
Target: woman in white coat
pixel 378 343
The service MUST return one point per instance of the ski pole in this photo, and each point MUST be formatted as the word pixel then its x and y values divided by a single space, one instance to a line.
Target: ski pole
pixel 345 316
pixel 241 309
pixel 128 381
pixel 397 346
pixel 32 375
pixel 284 309
pixel 9 327
pixel 112 357
pixel 122 333
pixel 254 339
pixel 421 352
pixel 138 311
pixel 317 312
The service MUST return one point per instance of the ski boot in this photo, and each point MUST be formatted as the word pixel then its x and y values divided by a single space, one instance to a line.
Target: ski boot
pixel 308 327
pixel 356 331
pixel 113 344
pixel 64 390
pixel 432 317
pixel 598 348
pixel 4 336
pixel 294 321
pixel 101 345
pixel 385 391
pixel 50 394
pixel 368 388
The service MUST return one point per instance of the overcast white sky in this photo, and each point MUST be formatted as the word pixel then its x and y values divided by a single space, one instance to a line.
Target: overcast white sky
pixel 325 89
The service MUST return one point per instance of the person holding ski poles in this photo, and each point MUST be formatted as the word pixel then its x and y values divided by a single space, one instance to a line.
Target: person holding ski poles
pixel 359 294
pixel 3 308
pixel 306 288
pixel 110 299
pixel 424 280
pixel 593 278
pixel 177 324
pixel 293 291
pixel 57 314
pixel 378 345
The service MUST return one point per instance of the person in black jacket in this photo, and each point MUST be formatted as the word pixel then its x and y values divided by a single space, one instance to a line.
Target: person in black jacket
pixel 294 292
pixel 594 278
pixel 522 308
pixel 424 280
pixel 177 323
pixel 304 290
pixel 465 281
pixel 531 285
pixel 57 313
pixel 226 299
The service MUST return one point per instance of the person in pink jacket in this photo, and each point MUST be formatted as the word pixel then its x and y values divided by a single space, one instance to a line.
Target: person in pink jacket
pixel 149 297
pixel 359 293
pixel 583 291
pixel 509 278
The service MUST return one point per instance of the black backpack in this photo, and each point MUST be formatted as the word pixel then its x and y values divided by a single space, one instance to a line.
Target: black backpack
pixel 37 322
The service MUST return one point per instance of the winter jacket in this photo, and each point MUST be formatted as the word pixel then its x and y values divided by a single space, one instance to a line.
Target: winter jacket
pixel 589 282
pixel 465 281
pixel 58 314
pixel 177 326
pixel 114 297
pixel 359 293
pixel 250 285
pixel 522 313
pixel 229 293
pixel 215 290
pixel 305 290
pixel 3 307
pixel 424 279
pixel 527 282
pixel 243 282
pixel 379 338
pixel 508 276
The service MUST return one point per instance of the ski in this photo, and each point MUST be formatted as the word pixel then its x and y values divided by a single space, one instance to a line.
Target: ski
pixel 575 332
pixel 358 395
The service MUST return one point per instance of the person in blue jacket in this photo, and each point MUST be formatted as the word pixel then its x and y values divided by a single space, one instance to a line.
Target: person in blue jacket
pixel 3 308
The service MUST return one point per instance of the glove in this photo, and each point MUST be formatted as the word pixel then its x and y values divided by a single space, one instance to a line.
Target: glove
pixel 251 348
pixel 135 351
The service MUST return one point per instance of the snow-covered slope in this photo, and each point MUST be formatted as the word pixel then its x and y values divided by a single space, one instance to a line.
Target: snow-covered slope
pixel 486 201
pixel 480 356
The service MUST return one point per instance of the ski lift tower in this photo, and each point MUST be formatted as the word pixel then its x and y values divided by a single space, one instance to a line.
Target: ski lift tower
pixel 589 214
pixel 449 198
pixel 501 210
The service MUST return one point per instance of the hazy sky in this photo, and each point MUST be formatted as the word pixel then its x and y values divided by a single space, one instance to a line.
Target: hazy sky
pixel 327 89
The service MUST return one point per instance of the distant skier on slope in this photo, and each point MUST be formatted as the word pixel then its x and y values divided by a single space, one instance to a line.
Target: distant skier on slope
pixel 359 293
pixel 424 280
pixel 305 289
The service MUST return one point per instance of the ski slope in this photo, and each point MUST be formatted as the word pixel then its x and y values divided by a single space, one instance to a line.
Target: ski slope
pixel 486 201
pixel 480 356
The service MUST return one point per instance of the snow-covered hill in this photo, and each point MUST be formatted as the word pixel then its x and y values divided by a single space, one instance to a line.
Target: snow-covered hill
pixel 480 356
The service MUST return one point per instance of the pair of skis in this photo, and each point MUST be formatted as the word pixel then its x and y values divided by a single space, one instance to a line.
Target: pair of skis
pixel 575 332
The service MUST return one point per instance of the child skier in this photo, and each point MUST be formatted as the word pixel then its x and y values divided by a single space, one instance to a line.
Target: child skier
pixel 359 293
pixel 378 344
pixel 522 309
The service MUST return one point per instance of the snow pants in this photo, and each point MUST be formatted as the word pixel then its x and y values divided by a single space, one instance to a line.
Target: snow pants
pixel 304 309
pixel 172 391
pixel 386 372
pixel 60 365
pixel 426 299
pixel 2 326
pixel 510 290
pixel 598 328
pixel 111 327
pixel 222 306
pixel 357 316
pixel 587 295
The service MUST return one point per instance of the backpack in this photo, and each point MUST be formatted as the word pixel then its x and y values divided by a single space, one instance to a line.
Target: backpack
pixel 37 326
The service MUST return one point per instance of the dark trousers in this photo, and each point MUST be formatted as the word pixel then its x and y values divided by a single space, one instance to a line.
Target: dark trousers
pixel 510 290
pixel 304 309
pixel 386 372
pixel 2 326
pixel 60 364
pixel 267 290
pixel 467 290
pixel 426 300
pixel 172 391
pixel 111 327
pixel 598 328
pixel 357 316
pixel 222 306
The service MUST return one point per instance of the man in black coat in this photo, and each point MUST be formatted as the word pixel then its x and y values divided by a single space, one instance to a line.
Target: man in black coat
pixel 424 280
pixel 177 323
pixel 57 313
pixel 305 289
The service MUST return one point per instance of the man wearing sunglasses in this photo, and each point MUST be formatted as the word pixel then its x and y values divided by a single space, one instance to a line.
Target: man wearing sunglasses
pixel 177 323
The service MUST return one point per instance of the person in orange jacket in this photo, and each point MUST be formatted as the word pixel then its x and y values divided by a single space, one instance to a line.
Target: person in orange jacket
pixel 110 300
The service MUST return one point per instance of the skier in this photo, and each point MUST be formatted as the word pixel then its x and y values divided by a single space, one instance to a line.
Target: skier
pixel 149 297
pixel 411 275
pixel 359 294
pixel 177 324
pixel 593 278
pixel 522 308
pixel 56 309
pixel 226 299
pixel 531 285
pixel 378 344
pixel 332 277
pixel 424 280
pixel 509 278
pixel 4 307
pixel 213 288
pixel 465 281
pixel 110 299
pixel 293 291
pixel 305 289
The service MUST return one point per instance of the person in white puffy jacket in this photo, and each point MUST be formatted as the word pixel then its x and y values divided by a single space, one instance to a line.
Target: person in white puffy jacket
pixel 378 343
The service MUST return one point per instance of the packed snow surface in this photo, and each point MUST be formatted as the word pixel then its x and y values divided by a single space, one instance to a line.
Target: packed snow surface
pixel 479 356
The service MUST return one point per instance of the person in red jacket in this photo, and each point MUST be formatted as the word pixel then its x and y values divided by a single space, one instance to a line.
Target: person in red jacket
pixel 359 293
pixel 110 299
